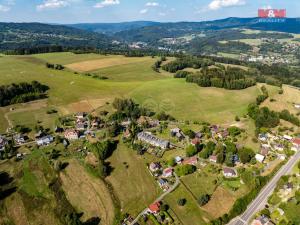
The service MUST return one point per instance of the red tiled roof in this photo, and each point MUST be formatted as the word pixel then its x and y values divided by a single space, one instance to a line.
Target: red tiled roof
pixel 191 161
pixel 213 157
pixel 154 207
pixel 195 141
pixel 296 141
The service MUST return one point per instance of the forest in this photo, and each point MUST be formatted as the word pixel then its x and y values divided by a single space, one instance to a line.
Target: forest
pixel 228 78
pixel 22 92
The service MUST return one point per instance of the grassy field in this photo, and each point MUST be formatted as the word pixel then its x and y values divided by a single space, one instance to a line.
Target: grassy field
pixel 71 93
pixel 187 101
pixel 191 212
pixel 88 194
pixel 132 182
pixel 65 58
pixel 287 100
pixel 252 42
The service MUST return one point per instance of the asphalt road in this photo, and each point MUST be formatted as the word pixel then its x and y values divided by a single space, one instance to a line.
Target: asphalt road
pixel 262 198
pixel 160 198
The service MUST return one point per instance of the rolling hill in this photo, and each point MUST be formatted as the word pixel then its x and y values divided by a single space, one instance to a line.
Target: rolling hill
pixel 33 35
pixel 111 28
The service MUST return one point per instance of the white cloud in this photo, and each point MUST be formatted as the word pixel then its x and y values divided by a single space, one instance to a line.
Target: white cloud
pixel 218 4
pixel 152 4
pixel 106 3
pixel 52 4
pixel 267 7
pixel 4 8
pixel 143 11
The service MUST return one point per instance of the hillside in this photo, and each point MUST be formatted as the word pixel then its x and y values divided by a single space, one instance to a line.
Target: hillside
pixel 32 35
pixel 173 30
pixel 111 28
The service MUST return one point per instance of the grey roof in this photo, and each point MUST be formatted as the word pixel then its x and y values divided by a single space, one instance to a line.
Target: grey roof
pixel 153 140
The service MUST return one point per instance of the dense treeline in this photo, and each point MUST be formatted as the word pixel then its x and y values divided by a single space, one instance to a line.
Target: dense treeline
pixel 262 97
pixel 187 62
pixel 22 92
pixel 287 116
pixel 221 77
pixel 263 117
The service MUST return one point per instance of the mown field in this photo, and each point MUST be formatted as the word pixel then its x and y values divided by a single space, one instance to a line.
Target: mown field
pixel 70 92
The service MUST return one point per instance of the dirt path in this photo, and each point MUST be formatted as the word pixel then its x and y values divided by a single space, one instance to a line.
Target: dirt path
pixel 87 194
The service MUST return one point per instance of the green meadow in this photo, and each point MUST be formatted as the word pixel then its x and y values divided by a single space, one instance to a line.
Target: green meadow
pixel 158 91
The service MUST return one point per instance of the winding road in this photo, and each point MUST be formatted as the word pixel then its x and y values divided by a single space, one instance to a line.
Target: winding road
pixel 160 198
pixel 263 196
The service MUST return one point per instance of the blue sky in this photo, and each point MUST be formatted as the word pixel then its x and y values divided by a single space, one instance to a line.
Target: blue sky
pixel 76 11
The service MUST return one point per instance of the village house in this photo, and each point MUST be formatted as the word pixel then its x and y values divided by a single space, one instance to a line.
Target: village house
pixel 71 134
pixel 178 159
pixel 163 183
pixel 229 172
pixel 19 139
pixel 152 140
pixel 127 133
pixel 296 144
pixel 168 172
pixel 279 147
pixel 147 122
pixel 176 132
pixel 190 161
pixel 262 220
pixel 80 115
pixel 195 141
pixel 264 151
pixel 154 166
pixel 154 208
pixel 262 137
pixel 260 158
pixel 223 134
pixel 45 140
pixel 213 158
pixel 287 137
pixel 3 142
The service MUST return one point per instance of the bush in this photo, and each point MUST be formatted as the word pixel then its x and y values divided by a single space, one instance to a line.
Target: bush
pixel 181 201
pixel 203 200
pixel 191 151
pixel 183 170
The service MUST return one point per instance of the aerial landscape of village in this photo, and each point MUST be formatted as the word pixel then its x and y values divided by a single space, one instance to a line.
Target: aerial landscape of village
pixel 189 114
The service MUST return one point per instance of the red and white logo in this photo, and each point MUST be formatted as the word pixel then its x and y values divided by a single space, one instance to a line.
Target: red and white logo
pixel 272 13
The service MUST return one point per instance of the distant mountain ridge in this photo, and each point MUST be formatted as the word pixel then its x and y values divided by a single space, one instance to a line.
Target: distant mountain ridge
pixel 34 35
pixel 173 30
pixel 111 28
pixel 128 30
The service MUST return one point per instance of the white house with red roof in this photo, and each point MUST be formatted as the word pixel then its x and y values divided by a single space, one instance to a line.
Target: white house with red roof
pixel 296 144
pixel 168 172
pixel 154 207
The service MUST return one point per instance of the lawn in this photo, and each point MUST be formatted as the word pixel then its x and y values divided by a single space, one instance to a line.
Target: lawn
pixel 65 58
pixel 132 182
pixel 186 101
pixel 133 72
pixel 191 212
pixel 87 194
pixel 108 61
pixel 252 42
pixel 287 100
